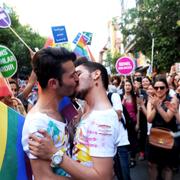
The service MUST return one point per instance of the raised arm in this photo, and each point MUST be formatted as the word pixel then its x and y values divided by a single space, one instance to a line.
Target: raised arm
pixel 167 115
pixel 30 84
pixel 151 111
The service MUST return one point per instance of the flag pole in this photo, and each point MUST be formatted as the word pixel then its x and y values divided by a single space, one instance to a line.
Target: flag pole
pixel 20 38
pixel 152 55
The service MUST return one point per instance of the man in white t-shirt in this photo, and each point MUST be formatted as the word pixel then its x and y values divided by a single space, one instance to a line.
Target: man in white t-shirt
pixel 57 78
pixel 97 134
pixel 121 159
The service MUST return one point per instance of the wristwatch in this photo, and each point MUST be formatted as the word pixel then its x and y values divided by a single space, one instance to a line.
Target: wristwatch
pixel 56 158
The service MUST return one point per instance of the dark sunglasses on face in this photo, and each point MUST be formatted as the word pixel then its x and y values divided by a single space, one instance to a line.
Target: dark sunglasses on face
pixel 159 87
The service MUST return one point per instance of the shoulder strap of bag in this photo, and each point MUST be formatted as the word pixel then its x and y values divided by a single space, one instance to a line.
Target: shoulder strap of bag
pixel 109 97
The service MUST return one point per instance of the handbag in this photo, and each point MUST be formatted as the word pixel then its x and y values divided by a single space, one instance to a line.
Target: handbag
pixel 162 137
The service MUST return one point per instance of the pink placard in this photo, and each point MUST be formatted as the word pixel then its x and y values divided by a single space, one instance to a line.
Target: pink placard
pixel 125 66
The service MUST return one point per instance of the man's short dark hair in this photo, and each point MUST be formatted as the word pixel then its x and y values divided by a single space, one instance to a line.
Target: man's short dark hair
pixel 92 66
pixel 47 64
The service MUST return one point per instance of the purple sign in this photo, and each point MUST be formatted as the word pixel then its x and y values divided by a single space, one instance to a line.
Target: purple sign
pixel 125 66
pixel 5 20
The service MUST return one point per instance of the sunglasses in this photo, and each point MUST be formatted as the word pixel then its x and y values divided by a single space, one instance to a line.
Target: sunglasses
pixel 159 87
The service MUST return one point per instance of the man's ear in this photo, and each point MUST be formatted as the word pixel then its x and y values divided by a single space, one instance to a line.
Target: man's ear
pixel 96 74
pixel 52 83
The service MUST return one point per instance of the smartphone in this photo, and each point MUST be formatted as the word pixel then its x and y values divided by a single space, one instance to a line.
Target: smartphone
pixel 139 79
pixel 141 96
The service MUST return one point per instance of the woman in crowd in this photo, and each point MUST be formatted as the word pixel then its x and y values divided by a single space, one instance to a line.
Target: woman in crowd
pixel 160 116
pixel 142 120
pixel 129 102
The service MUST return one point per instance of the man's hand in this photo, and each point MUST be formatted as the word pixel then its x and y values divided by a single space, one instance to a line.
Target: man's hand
pixel 32 53
pixel 42 147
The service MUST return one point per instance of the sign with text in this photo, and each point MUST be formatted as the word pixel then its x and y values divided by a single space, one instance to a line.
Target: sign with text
pixel 89 36
pixel 76 39
pixel 125 66
pixel 5 20
pixel 87 39
pixel 59 34
pixel 8 62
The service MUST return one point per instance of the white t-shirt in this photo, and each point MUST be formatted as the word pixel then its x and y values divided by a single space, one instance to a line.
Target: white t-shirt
pixel 56 129
pixel 172 92
pixel 96 136
pixel 117 105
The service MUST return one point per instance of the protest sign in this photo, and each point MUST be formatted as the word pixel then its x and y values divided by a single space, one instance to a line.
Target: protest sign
pixel 8 62
pixel 88 35
pixel 125 66
pixel 5 20
pixel 59 34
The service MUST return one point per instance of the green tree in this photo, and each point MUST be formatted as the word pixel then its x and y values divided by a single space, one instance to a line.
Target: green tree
pixel 8 38
pixel 110 60
pixel 155 19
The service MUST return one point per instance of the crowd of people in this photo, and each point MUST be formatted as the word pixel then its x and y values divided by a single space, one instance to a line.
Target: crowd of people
pixel 110 132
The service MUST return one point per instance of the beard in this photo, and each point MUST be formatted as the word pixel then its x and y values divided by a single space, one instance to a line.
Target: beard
pixel 82 94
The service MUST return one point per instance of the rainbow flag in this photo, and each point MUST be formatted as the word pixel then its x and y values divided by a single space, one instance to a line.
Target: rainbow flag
pixel 14 165
pixel 82 49
pixel 141 60
pixel 49 43
pixel 81 43
pixel 67 109
pixel 5 89
pixel 91 57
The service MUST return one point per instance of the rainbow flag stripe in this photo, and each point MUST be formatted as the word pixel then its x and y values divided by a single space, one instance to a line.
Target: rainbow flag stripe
pixel 81 43
pixel 12 157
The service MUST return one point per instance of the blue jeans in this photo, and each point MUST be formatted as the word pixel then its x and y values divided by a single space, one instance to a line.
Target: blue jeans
pixel 121 166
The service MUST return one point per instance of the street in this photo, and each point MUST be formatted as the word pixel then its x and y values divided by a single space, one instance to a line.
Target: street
pixel 140 172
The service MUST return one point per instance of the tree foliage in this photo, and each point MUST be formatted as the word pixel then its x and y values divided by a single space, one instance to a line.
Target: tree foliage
pixel 155 19
pixel 8 39
pixel 110 60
